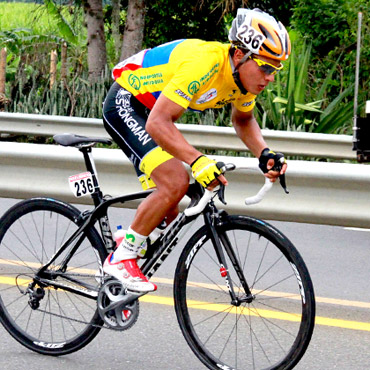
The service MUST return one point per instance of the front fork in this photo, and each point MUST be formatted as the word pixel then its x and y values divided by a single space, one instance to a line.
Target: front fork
pixel 222 243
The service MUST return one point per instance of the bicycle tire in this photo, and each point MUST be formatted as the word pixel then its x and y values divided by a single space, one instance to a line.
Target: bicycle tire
pixel 30 233
pixel 271 332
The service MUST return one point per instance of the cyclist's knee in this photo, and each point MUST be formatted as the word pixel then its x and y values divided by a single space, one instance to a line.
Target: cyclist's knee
pixel 174 189
pixel 172 181
pixel 182 186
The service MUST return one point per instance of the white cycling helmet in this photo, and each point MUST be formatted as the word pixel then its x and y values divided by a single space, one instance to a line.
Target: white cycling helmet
pixel 260 33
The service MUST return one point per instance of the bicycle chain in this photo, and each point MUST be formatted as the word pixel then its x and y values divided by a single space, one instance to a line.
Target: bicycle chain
pixel 104 326
pixel 75 320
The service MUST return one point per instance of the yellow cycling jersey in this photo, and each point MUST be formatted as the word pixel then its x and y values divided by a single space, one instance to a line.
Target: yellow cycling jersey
pixel 193 73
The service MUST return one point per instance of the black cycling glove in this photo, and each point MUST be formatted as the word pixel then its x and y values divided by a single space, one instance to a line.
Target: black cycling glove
pixel 267 154
pixel 279 160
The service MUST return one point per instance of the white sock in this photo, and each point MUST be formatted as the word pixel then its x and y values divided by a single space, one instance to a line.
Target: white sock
pixel 129 247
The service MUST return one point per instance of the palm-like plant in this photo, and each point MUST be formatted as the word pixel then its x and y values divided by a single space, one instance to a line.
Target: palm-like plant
pixel 290 104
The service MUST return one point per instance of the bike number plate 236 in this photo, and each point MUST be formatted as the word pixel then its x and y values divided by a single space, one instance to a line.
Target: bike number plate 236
pixel 81 184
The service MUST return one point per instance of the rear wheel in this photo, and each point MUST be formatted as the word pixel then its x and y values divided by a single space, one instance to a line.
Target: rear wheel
pixel 270 331
pixel 43 317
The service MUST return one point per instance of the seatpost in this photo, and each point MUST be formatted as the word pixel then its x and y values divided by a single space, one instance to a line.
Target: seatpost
pixel 97 195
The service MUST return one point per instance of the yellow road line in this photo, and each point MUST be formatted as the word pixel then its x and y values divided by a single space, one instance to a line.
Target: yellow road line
pixel 201 305
pixel 11 281
pixel 325 321
pixel 325 300
pixel 339 302
pixel 268 314
pixel 218 307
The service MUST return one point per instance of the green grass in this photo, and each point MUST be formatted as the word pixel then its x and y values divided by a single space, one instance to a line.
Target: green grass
pixel 25 15
pixel 33 16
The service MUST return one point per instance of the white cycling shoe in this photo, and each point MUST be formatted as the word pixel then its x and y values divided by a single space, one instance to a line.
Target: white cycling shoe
pixel 129 274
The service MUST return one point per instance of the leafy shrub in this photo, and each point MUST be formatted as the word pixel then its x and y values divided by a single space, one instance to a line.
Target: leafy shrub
pixel 331 26
pixel 78 97
pixel 291 103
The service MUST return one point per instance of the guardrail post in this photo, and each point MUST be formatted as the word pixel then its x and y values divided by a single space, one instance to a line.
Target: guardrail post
pixel 3 54
pixel 53 67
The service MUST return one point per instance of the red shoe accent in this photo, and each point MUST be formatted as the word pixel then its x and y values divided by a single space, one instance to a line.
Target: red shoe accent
pixel 129 273
pixel 133 269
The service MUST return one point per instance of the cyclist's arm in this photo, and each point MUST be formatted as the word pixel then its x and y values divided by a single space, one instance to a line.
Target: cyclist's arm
pixel 161 127
pixel 249 132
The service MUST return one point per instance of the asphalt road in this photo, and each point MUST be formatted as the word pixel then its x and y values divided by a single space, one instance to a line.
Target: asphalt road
pixel 339 262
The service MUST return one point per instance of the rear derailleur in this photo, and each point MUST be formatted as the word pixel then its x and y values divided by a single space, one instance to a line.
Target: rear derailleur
pixel 36 294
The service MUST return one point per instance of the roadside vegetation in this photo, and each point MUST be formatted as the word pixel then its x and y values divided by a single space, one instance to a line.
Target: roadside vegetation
pixel 313 93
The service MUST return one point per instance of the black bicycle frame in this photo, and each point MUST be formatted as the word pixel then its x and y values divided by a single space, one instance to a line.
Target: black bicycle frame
pixel 162 247
pixel 88 220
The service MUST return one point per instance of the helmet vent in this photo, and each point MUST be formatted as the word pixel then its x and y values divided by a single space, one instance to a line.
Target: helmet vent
pixel 267 34
pixel 270 51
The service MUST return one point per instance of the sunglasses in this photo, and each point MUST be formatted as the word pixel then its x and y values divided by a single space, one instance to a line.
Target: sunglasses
pixel 265 67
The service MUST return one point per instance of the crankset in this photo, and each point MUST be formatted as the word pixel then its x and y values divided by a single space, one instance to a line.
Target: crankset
pixel 117 307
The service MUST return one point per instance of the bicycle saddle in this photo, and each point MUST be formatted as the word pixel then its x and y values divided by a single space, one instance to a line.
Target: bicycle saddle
pixel 77 140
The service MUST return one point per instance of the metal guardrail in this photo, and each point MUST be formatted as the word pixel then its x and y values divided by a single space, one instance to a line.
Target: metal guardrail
pixel 206 137
pixel 320 193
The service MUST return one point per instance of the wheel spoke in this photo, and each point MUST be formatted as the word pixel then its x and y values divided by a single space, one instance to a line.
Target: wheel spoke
pixel 253 332
pixel 30 233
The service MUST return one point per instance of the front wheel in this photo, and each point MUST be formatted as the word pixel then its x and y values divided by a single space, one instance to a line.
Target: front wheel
pixel 50 318
pixel 270 331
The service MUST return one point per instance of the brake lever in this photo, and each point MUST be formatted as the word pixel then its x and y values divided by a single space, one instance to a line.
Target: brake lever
pixel 221 193
pixel 282 179
pixel 283 183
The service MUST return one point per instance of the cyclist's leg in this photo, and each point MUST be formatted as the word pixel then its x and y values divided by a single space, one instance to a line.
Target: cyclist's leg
pixel 148 183
pixel 172 183
pixel 125 119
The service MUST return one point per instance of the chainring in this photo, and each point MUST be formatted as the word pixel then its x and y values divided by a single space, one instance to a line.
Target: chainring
pixel 113 307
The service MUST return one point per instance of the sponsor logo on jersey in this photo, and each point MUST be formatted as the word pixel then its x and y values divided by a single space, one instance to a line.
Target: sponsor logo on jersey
pixel 124 110
pixel 248 103
pixel 134 81
pixel 152 79
pixel 193 87
pixel 224 102
pixel 207 96
pixel 182 94
pixel 209 74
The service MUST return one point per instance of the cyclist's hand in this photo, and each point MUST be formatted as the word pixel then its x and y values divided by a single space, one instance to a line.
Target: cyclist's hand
pixel 208 172
pixel 272 164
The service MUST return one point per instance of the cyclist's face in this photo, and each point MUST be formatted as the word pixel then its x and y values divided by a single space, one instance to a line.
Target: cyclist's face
pixel 252 77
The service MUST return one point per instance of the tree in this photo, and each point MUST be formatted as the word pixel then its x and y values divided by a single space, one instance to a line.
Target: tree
pixel 167 20
pixel 331 26
pixel 116 15
pixel 96 50
pixel 134 28
pixel 282 10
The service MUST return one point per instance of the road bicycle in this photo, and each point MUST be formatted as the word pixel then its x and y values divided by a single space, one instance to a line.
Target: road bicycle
pixel 242 293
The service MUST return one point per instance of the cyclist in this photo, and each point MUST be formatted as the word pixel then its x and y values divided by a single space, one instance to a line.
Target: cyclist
pixel 153 88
